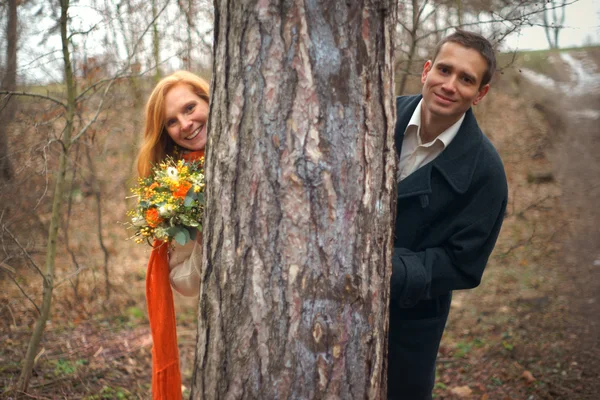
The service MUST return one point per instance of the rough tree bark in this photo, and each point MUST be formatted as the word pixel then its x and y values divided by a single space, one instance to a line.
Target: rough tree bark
pixel 300 202
pixel 9 82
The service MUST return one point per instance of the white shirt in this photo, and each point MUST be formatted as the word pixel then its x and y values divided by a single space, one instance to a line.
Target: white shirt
pixel 416 154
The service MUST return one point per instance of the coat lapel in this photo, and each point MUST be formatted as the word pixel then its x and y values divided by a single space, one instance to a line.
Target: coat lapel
pixel 456 163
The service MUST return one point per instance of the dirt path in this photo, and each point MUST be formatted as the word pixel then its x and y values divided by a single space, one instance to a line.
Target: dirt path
pixel 576 162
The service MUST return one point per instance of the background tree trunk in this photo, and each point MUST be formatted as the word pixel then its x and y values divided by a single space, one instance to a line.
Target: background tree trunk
pixel 58 195
pixel 156 43
pixel 300 202
pixel 9 82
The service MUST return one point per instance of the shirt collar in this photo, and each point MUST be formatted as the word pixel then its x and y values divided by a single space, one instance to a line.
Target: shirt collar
pixel 445 137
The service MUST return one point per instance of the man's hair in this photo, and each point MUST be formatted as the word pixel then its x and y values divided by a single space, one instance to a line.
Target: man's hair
pixel 475 41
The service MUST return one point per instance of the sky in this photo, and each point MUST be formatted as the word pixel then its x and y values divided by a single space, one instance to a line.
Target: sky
pixel 582 27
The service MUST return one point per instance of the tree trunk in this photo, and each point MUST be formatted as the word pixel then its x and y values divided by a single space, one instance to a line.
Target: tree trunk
pixel 156 43
pixel 58 196
pixel 300 202
pixel 9 82
pixel 416 21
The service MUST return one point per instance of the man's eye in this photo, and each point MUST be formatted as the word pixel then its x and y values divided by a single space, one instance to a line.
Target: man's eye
pixel 444 70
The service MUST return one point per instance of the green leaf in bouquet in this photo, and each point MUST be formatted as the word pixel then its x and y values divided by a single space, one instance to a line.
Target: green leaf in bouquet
pixel 190 197
pixel 192 232
pixel 200 196
pixel 188 221
pixel 182 236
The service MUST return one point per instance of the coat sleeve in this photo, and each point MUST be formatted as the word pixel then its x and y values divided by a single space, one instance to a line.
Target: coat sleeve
pixel 459 262
pixel 184 266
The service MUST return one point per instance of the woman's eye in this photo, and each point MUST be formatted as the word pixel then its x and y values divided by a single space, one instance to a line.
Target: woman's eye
pixel 190 107
pixel 171 122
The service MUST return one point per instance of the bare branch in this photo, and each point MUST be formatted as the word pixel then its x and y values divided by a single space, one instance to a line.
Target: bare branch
pixel 97 195
pixel 98 110
pixel 497 18
pixel 12 314
pixel 40 96
pixel 146 30
pixel 25 294
pixel 71 275
pixel 25 252
pixel 68 222
pixel 7 267
pixel 75 33
pixel 44 148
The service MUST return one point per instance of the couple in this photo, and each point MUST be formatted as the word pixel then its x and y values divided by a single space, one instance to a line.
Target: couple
pixel 452 195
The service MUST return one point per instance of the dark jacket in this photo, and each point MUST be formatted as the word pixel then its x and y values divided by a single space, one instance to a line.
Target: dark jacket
pixel 449 214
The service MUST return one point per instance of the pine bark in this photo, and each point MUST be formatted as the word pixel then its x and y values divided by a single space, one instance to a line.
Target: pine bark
pixel 300 202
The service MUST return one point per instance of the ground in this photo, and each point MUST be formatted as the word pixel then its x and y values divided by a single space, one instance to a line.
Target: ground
pixel 530 331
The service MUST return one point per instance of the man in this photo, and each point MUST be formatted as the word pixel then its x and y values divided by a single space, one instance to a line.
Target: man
pixel 452 195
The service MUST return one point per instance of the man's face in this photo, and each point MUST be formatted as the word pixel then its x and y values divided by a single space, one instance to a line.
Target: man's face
pixel 451 83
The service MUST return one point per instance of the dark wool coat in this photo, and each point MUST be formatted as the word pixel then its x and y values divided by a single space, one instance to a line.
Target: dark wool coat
pixel 449 214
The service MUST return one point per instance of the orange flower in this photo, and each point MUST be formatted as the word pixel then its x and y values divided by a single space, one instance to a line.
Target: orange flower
pixel 181 190
pixel 150 189
pixel 152 217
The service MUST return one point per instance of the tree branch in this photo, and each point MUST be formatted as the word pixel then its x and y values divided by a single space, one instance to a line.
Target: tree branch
pixel 25 294
pixel 10 93
pixel 25 252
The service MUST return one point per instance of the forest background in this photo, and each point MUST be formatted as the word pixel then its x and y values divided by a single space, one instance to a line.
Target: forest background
pixel 529 331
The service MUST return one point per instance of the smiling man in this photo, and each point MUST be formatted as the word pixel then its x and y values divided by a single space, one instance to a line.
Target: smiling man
pixel 452 195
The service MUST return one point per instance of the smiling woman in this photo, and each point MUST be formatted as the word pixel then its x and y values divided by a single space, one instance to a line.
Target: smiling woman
pixel 176 117
pixel 176 108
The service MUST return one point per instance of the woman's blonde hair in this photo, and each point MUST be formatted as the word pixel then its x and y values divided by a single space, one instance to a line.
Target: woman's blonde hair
pixel 157 143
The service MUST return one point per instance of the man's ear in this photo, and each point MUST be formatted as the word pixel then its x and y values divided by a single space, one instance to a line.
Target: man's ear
pixel 426 69
pixel 482 92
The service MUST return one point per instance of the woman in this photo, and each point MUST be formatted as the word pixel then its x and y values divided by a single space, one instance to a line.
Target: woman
pixel 176 116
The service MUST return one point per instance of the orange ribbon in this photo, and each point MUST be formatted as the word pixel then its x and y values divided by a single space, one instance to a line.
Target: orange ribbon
pixel 166 376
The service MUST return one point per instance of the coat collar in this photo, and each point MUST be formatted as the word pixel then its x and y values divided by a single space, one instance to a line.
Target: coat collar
pixel 456 163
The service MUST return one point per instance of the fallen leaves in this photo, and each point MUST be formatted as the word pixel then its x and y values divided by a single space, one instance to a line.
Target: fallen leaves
pixel 528 376
pixel 462 391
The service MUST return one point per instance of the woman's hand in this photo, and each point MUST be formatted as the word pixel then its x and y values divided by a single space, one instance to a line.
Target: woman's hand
pixel 199 237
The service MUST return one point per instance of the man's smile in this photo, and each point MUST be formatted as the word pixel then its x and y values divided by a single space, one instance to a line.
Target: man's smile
pixel 444 99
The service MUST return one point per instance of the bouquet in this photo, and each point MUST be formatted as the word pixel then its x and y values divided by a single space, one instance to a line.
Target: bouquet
pixel 170 202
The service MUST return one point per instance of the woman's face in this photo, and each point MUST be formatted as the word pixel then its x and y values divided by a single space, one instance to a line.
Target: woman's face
pixel 185 117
